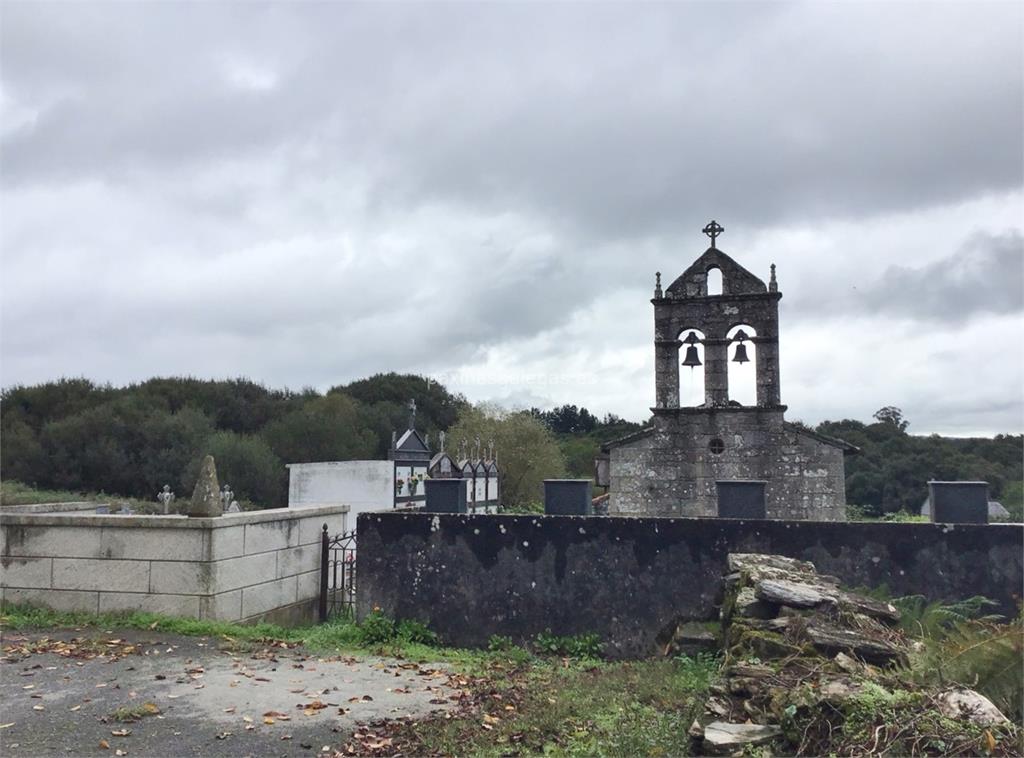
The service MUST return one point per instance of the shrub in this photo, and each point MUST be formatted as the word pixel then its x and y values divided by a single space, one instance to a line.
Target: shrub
pixel 376 629
pixel 576 646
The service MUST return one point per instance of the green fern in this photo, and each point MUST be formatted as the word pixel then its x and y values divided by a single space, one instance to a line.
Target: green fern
pixel 985 656
pixel 935 620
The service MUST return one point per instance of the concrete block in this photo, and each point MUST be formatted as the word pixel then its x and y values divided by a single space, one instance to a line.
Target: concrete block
pixel 58 600
pixel 958 502
pixel 224 606
pixel 308 585
pixel 568 497
pixel 261 598
pixel 26 572
pixel 271 535
pixel 108 576
pixel 226 542
pixel 445 496
pixel 235 573
pixel 741 498
pixel 152 544
pixel 296 560
pixel 182 577
pixel 47 541
pixel 169 605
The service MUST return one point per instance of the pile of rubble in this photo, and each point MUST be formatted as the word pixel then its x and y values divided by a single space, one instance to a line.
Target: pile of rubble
pixel 793 638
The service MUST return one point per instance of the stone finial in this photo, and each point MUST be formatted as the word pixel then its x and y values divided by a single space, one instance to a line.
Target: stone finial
pixel 394 439
pixel 412 413
pixel 205 500
pixel 426 440
pixel 657 284
pixel 773 286
pixel 165 497
pixel 441 436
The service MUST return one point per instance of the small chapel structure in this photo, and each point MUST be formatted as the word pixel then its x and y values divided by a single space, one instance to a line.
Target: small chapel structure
pixel 689 454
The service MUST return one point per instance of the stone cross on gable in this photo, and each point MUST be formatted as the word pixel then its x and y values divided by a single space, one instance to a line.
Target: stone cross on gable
pixel 713 229
pixel 412 413
pixel 441 436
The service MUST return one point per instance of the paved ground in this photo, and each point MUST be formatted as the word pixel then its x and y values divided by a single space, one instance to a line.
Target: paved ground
pixel 59 692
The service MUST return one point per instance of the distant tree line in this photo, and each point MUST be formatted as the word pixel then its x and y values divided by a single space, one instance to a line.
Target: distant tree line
pixel 76 435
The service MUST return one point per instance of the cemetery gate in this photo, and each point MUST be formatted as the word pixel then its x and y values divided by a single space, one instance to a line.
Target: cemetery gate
pixel 337 574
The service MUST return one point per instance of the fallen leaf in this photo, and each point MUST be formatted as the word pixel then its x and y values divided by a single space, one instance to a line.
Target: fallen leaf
pixel 7 726
pixel 38 708
pixel 229 710
pixel 120 732
pixel 223 735
pixel 268 720
pixel 150 708
pixel 104 744
pixel 120 752
pixel 286 736
pixel 247 719
pixel 75 707
pixel 990 741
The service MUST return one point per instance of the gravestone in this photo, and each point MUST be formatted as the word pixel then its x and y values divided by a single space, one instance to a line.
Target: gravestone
pixel 205 500
pixel 568 497
pixel 165 497
pixel 741 498
pixel 958 502
pixel 445 496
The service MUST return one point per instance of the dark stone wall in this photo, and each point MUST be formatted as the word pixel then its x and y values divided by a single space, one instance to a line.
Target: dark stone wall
pixel 629 579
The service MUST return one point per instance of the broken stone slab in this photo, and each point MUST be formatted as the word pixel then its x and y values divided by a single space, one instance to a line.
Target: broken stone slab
pixel 792 594
pixel 868 606
pixel 747 605
pixel 746 562
pixel 975 707
pixel 692 638
pixel 721 737
pixel 831 641
pixel 206 501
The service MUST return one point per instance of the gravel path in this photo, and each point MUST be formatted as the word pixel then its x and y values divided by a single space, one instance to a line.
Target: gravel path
pixel 59 692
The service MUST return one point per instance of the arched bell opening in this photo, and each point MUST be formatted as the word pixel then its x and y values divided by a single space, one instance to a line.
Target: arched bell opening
pixel 742 362
pixel 691 368
pixel 714 281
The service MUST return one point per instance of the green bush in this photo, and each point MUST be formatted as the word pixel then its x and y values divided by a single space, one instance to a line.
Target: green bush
pixel 416 633
pixel 376 629
pixel 575 646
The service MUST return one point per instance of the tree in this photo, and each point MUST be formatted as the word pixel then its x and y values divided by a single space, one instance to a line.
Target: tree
pixel 324 429
pixel 247 464
pixel 528 452
pixel 891 415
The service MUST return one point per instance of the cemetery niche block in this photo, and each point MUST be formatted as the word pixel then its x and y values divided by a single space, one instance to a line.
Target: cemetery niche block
pixel 958 502
pixel 445 496
pixel 568 497
pixel 741 498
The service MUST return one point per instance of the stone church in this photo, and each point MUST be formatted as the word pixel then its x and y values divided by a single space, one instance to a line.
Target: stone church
pixel 677 465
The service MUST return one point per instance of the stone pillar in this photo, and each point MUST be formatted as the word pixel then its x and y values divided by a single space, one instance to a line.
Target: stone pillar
pixel 445 496
pixel 666 373
pixel 767 351
pixel 568 497
pixel 716 372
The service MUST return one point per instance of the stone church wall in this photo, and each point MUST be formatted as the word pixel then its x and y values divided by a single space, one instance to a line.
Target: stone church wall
pixel 672 471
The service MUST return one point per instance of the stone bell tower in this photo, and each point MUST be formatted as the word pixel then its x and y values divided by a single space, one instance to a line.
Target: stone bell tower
pixel 686 309
pixel 676 466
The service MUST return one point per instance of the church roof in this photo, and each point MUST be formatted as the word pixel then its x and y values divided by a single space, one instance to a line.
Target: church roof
pixel 843 445
pixel 736 280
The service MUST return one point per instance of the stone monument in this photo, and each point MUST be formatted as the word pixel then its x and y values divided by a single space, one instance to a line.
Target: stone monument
pixel 206 497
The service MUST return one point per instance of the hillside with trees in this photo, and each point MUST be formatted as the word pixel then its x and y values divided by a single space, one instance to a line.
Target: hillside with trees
pixel 75 435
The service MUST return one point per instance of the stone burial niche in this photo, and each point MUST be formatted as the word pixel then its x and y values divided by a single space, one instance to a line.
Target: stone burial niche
pixel 673 466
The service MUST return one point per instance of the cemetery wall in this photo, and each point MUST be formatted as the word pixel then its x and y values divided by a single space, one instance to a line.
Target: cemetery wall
pixel 631 579
pixel 259 565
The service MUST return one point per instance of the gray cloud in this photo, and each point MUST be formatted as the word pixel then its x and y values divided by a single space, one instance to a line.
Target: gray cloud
pixel 984 275
pixel 308 193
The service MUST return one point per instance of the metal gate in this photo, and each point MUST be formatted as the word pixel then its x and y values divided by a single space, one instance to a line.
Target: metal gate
pixel 337 574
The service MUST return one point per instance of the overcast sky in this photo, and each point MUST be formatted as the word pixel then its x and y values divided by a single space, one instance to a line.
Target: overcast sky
pixel 309 193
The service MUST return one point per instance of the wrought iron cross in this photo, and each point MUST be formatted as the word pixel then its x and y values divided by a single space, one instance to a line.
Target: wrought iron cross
pixel 713 230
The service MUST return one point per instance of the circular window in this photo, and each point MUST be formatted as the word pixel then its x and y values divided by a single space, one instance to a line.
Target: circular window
pixel 716 446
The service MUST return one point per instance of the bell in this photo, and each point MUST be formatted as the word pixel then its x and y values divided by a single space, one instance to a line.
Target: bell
pixel 691 358
pixel 741 354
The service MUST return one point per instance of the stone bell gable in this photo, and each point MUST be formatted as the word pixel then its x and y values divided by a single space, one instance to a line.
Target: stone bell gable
pixel 674 466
